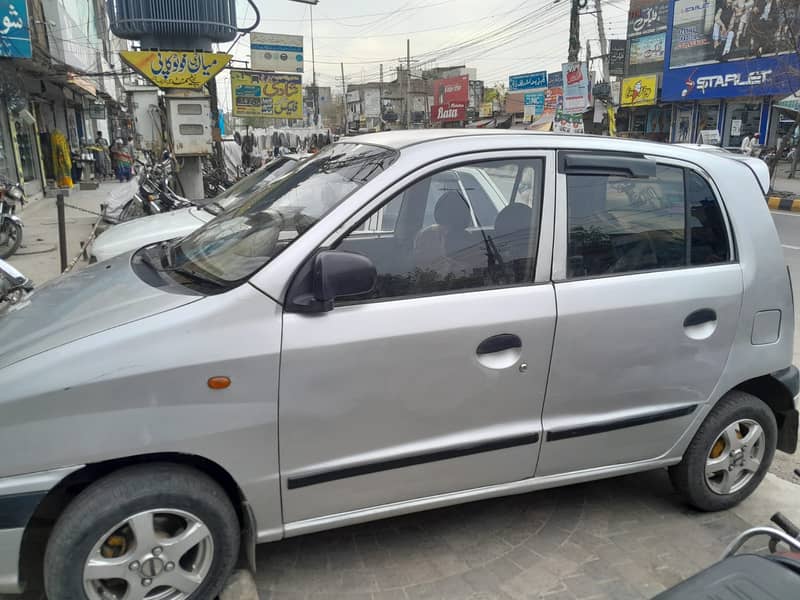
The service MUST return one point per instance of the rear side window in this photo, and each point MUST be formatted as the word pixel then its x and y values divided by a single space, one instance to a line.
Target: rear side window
pixel 623 225
pixel 709 236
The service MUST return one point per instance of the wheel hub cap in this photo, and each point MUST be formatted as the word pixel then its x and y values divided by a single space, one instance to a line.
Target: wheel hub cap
pixel 735 457
pixel 162 554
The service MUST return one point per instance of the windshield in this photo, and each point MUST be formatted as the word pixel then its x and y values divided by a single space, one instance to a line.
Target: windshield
pixel 236 244
pixel 253 182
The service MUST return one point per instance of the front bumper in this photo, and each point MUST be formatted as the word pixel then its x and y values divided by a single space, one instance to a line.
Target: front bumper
pixel 19 497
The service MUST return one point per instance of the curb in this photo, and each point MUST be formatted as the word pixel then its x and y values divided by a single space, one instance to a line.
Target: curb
pixel 789 204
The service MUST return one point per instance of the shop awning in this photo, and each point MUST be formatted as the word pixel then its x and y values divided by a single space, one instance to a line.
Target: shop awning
pixel 790 103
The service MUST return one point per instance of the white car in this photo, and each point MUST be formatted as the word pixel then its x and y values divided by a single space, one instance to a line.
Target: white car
pixel 132 235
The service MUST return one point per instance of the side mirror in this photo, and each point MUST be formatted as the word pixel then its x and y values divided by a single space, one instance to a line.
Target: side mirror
pixel 336 274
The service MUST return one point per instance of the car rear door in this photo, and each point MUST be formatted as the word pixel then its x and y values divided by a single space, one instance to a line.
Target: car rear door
pixel 435 383
pixel 648 292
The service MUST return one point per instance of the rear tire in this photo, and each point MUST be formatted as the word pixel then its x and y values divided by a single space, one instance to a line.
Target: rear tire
pixel 144 528
pixel 14 240
pixel 729 455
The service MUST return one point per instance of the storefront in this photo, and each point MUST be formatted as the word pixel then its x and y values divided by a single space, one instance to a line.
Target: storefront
pixel 641 116
pixel 729 87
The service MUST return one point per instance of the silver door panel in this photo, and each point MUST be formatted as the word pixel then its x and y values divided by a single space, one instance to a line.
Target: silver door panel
pixel 393 379
pixel 622 352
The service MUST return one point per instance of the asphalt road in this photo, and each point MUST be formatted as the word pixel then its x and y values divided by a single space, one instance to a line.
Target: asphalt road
pixel 788 225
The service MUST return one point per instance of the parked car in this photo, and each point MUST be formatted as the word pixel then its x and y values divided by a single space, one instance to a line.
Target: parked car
pixel 134 234
pixel 627 308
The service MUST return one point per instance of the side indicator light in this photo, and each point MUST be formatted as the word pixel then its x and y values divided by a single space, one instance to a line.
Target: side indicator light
pixel 219 383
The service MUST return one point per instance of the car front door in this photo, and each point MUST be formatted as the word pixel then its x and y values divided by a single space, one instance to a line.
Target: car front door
pixel 435 382
pixel 648 292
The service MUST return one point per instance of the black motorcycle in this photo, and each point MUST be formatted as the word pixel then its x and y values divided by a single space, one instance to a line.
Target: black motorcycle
pixel 11 195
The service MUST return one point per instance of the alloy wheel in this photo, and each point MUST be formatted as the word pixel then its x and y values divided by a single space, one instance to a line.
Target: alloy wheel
pixel 735 457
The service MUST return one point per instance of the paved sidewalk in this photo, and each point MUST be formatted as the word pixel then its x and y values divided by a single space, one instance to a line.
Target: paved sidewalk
pixel 38 257
pixel 620 539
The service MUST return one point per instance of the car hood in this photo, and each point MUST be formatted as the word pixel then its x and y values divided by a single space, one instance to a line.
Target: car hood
pixel 78 305
pixel 132 235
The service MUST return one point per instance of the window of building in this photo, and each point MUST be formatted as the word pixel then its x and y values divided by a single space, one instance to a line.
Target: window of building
pixel 470 227
pixel 621 225
pixel 741 120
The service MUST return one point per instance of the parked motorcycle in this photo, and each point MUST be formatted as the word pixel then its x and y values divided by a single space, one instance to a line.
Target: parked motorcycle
pixel 740 576
pixel 11 194
pixel 14 286
pixel 155 194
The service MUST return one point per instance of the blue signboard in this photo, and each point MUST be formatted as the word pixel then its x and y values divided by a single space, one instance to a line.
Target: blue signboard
pixel 704 62
pixel 15 36
pixel 535 99
pixel 769 76
pixel 528 81
pixel 555 80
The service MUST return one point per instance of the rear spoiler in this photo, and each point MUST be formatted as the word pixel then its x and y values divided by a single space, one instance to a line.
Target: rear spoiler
pixel 758 168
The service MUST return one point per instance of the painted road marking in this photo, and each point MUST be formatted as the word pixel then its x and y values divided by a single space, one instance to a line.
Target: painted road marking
pixel 781 213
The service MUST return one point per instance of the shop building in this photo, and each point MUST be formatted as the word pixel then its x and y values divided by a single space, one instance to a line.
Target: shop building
pixel 726 65
pixel 57 73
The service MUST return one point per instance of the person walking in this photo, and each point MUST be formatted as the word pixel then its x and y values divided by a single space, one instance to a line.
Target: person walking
pixel 795 142
pixel 102 162
pixel 123 153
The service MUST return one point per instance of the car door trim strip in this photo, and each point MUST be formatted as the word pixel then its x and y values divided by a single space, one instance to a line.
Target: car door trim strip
pixel 17 509
pixel 572 432
pixel 294 483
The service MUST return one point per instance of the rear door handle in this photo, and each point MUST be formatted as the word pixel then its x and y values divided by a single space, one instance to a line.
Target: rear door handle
pixel 498 343
pixel 700 317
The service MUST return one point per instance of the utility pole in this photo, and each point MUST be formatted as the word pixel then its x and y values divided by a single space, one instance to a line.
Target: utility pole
pixel 380 95
pixel 408 84
pixel 575 31
pixel 314 70
pixel 344 99
pixel 601 31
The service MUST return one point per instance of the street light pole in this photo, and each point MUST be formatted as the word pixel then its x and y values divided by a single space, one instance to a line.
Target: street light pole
pixel 314 70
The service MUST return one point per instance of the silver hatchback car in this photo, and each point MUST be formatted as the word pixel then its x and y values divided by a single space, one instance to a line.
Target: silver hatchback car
pixel 530 311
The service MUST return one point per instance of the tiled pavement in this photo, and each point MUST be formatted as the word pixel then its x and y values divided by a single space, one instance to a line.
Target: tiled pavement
pixel 620 539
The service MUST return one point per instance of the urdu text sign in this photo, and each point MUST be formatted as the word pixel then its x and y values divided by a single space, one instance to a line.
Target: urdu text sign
pixel 176 69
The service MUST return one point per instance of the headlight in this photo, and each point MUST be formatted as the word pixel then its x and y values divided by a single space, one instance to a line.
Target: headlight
pixel 15 193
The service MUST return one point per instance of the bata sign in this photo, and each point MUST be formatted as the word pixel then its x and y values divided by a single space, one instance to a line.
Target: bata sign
pixel 451 98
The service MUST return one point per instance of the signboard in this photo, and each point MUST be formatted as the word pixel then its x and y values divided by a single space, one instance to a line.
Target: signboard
pixel 683 123
pixel 97 110
pixel 639 91
pixel 555 80
pixel 372 103
pixel 276 52
pixel 647 49
pixel 353 97
pixel 647 16
pixel 451 99
pixel 616 57
pixel 176 69
pixel 272 95
pixel 527 81
pixel 769 76
pixel 15 35
pixel 536 100
pixel 476 88
pixel 553 101
pixel 576 87
pixel 568 123
pixel 752 31
pixel 710 136
pixel 487 110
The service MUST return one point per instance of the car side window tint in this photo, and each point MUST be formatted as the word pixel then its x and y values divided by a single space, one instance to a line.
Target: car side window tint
pixel 442 241
pixel 708 233
pixel 622 225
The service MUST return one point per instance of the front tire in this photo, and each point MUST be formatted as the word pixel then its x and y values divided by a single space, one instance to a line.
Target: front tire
pixel 12 237
pixel 150 531
pixel 729 455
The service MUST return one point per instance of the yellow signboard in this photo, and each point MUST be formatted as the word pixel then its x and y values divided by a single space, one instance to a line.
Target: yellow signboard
pixel 176 69
pixel 639 91
pixel 272 95
pixel 487 110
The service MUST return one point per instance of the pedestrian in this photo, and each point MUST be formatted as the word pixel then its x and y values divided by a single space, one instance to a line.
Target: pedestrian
pixel 100 151
pixel 795 152
pixel 123 155
pixel 747 145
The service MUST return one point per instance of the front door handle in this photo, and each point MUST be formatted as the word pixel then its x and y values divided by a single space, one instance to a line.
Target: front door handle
pixel 700 317
pixel 498 343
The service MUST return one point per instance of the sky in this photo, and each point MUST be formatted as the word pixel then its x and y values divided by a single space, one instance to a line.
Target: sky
pixel 497 37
